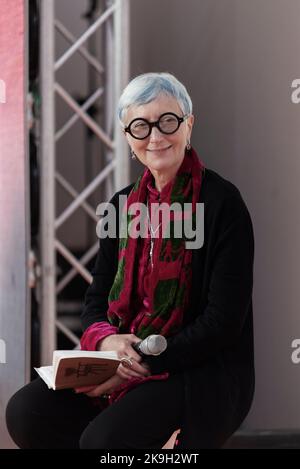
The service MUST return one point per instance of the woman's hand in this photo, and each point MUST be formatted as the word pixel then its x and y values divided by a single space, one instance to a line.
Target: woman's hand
pixel 104 388
pixel 136 370
pixel 122 375
pixel 122 344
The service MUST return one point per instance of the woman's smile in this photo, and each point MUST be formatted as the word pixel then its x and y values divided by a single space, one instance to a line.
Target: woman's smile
pixel 159 150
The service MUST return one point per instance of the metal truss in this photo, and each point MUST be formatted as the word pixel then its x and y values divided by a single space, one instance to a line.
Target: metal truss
pixel 114 19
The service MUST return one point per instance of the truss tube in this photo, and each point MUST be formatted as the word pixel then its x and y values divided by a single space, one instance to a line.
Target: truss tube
pixel 73 261
pixel 121 72
pixel 84 194
pixel 68 188
pixel 84 116
pixel 84 37
pixel 116 163
pixel 73 272
pixel 48 298
pixel 82 50
pixel 67 332
pixel 68 125
pixel 109 44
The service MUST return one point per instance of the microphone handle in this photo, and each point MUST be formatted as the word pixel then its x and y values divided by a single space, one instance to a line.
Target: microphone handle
pixel 138 350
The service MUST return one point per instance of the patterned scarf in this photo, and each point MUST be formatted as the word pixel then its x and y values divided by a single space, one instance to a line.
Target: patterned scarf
pixel 170 279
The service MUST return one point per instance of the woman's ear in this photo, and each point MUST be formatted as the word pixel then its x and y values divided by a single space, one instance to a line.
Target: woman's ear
pixel 190 123
pixel 191 120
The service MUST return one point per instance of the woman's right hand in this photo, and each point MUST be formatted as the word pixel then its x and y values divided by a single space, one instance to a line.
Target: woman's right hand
pixel 122 344
pixel 105 388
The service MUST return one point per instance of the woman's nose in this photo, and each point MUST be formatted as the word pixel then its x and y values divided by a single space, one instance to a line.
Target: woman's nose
pixel 155 134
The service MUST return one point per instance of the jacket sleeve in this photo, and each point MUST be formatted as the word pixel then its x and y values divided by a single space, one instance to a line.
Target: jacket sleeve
pixel 220 324
pixel 95 333
pixel 96 297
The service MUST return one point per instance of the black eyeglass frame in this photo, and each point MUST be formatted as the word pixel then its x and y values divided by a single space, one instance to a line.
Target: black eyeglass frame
pixel 156 124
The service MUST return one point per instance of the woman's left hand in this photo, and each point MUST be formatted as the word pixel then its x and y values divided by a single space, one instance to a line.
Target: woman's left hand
pixel 122 375
pixel 104 388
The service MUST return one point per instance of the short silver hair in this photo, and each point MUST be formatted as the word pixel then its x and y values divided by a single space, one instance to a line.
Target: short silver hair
pixel 146 87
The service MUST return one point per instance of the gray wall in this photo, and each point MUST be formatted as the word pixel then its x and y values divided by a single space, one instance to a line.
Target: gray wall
pixel 238 59
pixel 14 213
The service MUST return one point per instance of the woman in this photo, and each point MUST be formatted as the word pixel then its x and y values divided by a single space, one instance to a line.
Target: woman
pixel 199 299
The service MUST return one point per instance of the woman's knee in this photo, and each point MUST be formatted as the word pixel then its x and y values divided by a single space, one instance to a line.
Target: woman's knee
pixel 19 420
pixel 97 436
pixel 25 414
pixel 93 439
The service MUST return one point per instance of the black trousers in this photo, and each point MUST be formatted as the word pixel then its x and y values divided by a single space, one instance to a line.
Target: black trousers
pixel 145 417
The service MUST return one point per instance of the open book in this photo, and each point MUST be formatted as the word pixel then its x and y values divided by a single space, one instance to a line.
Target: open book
pixel 75 368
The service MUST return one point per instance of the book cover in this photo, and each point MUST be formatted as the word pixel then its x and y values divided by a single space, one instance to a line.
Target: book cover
pixel 72 369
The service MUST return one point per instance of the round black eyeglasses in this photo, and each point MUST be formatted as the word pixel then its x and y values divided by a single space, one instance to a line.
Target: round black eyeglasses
pixel 168 123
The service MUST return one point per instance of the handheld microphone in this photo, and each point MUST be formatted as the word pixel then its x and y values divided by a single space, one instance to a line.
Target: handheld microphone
pixel 153 345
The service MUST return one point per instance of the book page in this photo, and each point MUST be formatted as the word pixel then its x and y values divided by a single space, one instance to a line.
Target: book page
pixel 47 374
pixel 58 354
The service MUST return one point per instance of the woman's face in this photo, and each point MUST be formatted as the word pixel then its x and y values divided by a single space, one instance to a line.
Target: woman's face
pixel 160 152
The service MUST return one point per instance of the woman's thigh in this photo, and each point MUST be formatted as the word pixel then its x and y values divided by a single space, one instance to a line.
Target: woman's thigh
pixel 145 417
pixel 38 417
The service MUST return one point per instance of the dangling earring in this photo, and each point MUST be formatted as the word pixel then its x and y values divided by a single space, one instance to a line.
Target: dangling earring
pixel 133 155
pixel 188 145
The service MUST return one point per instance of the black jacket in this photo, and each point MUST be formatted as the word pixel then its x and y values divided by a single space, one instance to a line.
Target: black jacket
pixel 214 349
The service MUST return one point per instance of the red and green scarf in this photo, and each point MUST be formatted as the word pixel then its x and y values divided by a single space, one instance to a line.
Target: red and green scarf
pixel 170 279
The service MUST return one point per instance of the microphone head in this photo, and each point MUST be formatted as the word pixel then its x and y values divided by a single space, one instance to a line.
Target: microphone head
pixel 153 345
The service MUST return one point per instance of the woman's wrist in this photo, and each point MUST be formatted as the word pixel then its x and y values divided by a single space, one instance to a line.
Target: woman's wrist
pixel 101 341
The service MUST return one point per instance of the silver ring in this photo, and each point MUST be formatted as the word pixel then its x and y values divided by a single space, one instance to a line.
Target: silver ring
pixel 127 362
